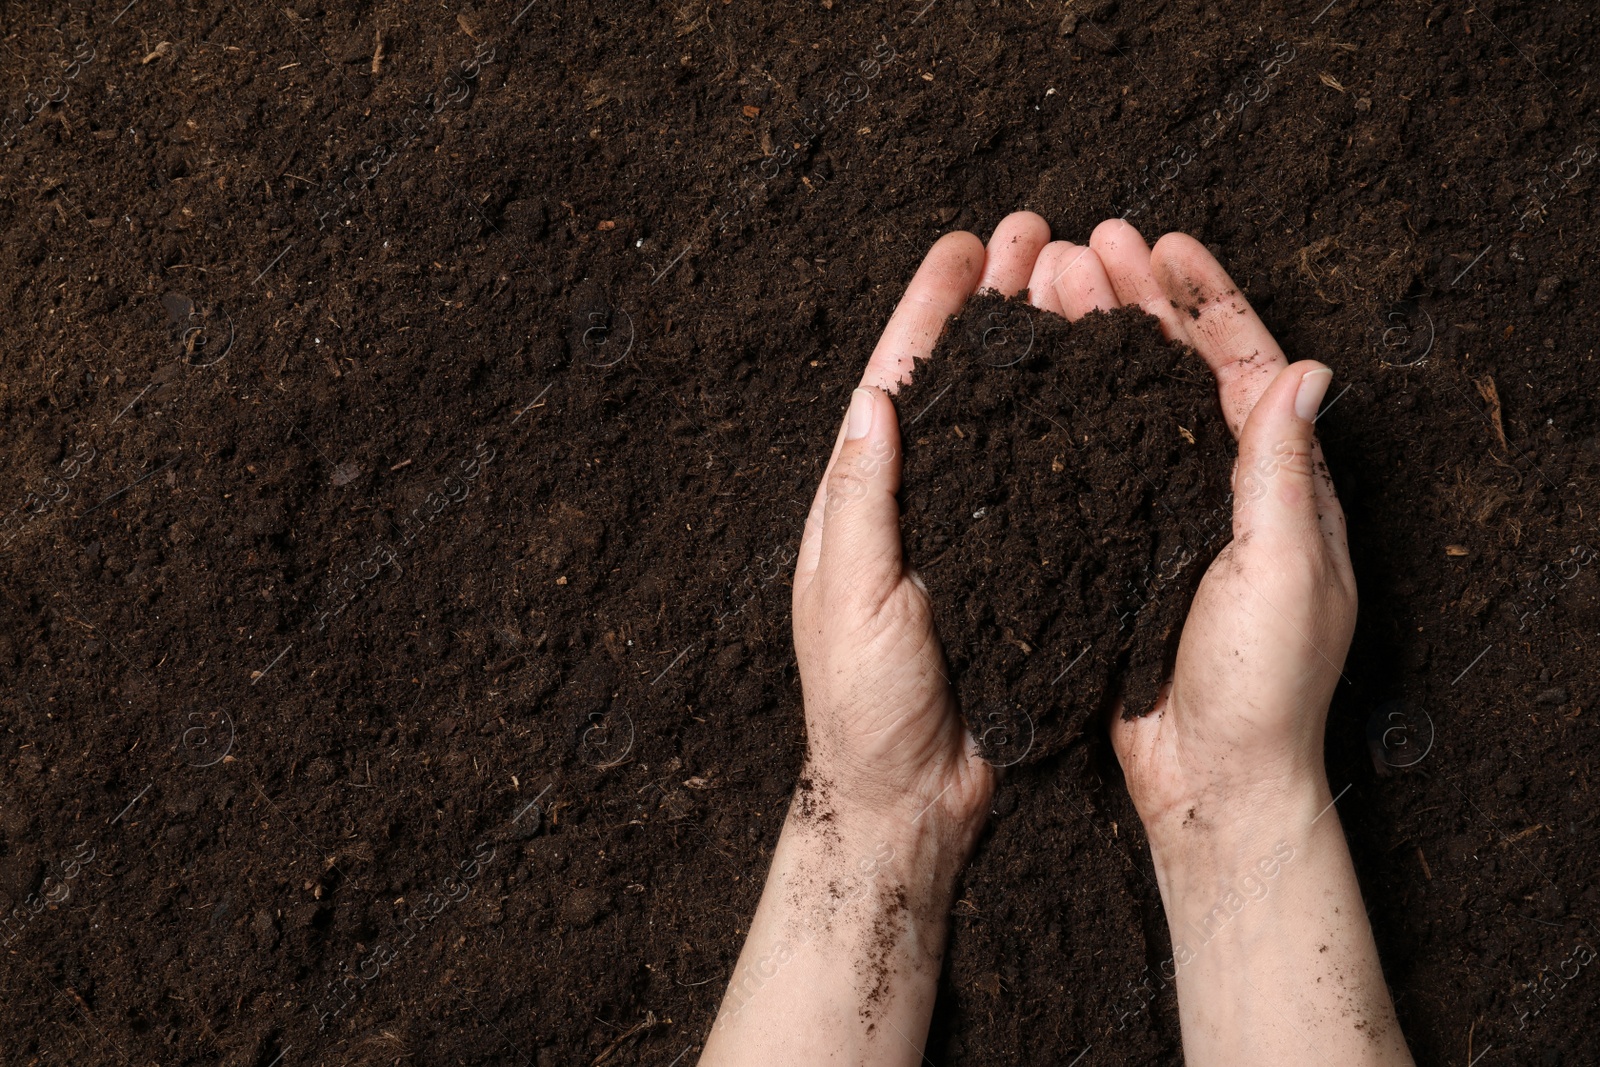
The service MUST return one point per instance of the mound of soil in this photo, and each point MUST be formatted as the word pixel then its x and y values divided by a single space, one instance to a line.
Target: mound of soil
pixel 408 416
pixel 1066 486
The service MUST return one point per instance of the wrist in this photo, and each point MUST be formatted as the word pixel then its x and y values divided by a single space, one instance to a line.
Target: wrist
pixel 1216 838
pixel 915 843
pixel 1231 881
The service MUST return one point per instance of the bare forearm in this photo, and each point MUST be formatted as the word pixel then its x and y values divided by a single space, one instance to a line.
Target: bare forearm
pixel 842 960
pixel 1274 955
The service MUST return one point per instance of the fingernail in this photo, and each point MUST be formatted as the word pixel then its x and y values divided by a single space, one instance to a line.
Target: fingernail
pixel 1313 387
pixel 860 420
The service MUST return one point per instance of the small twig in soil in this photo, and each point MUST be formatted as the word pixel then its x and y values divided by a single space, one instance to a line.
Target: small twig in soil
pixel 932 402
pixel 1545 922
pixel 1514 838
pixel 133 402
pixel 131 803
pixel 713 978
pixel 1048 419
pixel 649 1021
pixel 671 665
pixel 1491 396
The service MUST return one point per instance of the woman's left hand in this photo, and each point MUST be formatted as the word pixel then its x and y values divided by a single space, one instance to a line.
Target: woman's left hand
pixel 885 739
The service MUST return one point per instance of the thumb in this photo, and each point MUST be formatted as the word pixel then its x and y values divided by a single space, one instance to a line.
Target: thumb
pixel 860 553
pixel 1273 492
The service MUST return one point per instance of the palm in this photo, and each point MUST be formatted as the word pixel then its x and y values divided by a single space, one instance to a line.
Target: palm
pixel 1242 706
pixel 888 698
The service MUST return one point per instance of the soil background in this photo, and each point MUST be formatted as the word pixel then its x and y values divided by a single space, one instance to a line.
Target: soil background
pixel 404 454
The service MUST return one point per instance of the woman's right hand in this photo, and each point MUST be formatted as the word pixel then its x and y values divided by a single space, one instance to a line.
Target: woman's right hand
pixel 1239 728
pixel 1243 716
pixel 1272 954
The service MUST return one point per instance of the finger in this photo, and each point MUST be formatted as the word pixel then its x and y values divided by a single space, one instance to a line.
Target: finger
pixel 1275 486
pixel 805 565
pixel 1126 258
pixel 1012 251
pixel 861 559
pixel 1330 513
pixel 1041 283
pixel 1220 324
pixel 948 275
pixel 1081 283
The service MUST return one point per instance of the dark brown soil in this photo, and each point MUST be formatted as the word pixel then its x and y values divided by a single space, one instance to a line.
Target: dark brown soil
pixel 405 456
pixel 1061 511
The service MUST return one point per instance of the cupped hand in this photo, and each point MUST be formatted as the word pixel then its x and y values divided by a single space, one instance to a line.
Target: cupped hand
pixel 1240 726
pixel 1227 770
pixel 884 735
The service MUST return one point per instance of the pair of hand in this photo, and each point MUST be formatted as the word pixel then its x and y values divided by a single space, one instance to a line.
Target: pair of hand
pixel 1240 725
pixel 1272 955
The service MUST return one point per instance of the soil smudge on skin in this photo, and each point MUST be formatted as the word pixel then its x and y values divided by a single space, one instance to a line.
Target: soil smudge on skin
pixel 879 953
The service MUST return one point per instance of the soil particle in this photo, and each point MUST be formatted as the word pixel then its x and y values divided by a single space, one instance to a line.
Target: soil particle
pixel 583 906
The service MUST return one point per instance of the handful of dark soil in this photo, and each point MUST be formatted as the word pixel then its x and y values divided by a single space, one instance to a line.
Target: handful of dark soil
pixel 1066 486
